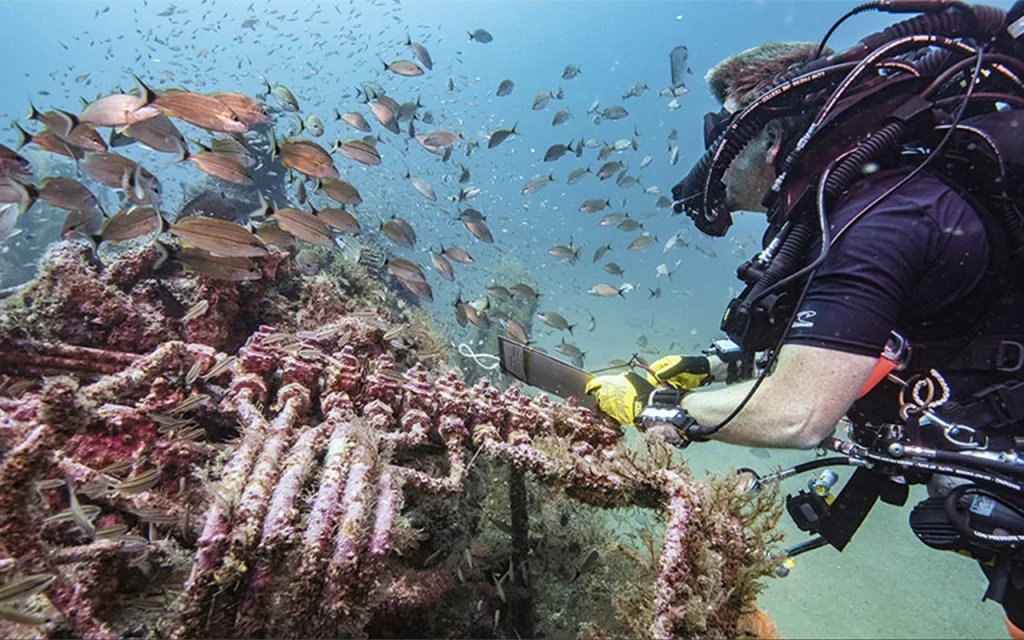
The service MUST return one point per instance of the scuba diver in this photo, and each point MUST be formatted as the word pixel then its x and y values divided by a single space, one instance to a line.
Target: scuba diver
pixel 888 296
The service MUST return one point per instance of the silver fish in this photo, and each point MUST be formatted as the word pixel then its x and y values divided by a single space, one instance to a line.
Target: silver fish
pixel 555 321
pixel 499 135
pixel 679 60
pixel 577 175
pixel 561 117
pixel 536 183
pixel 614 112
pixel 505 87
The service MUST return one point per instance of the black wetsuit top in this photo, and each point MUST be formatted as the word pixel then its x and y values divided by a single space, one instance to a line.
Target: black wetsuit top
pixel 916 254
pixel 913 255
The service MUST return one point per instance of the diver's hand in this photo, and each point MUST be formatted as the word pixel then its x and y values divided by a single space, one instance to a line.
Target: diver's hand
pixel 681 372
pixel 621 396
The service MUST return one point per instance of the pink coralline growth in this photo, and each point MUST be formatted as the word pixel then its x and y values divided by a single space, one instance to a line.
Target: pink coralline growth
pixel 286 489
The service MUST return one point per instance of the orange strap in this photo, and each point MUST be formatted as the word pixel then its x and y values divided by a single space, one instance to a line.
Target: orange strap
pixel 883 367
pixel 1016 633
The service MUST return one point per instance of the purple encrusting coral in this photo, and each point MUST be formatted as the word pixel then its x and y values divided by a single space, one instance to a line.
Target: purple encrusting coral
pixel 328 451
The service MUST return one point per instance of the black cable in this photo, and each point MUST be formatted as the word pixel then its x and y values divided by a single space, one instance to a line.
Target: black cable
pixel 707 431
pixel 960 521
pixel 823 222
pixel 807 545
pixel 811 268
pixel 931 156
pixel 867 6
pixel 942 469
pixel 810 465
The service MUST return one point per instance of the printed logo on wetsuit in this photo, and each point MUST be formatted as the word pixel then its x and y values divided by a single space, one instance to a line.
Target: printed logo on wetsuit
pixel 803 320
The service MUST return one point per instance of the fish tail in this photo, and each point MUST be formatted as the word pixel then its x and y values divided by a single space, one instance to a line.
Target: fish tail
pixel 182 152
pixel 33 113
pixel 23 136
pixel 147 94
pixel 570 327
pixel 26 197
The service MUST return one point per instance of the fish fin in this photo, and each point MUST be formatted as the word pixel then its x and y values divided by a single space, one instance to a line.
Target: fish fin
pixel 26 197
pixel 182 152
pixel 162 224
pixel 264 208
pixel 199 144
pixel 23 136
pixel 33 113
pixel 70 116
pixel 147 94
pixel 514 128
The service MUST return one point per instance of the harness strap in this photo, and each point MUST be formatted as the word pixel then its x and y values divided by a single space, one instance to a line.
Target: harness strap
pixel 1003 354
pixel 996 406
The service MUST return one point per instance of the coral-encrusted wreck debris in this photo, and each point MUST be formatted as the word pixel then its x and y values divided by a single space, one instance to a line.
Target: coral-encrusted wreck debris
pixel 322 478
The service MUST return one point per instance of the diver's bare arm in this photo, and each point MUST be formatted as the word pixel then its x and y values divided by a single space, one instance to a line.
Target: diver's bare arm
pixel 797 406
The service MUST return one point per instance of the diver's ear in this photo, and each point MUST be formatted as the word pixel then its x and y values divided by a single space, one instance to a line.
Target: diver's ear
pixel 773 131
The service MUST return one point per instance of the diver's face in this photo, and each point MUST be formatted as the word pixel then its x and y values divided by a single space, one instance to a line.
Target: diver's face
pixel 752 173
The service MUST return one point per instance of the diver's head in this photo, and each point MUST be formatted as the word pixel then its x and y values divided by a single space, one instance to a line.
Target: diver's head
pixel 740 79
pixel 736 82
pixel 751 174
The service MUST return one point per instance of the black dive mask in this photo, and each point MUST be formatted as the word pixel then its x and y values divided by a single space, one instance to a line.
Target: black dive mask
pixel 715 123
pixel 688 193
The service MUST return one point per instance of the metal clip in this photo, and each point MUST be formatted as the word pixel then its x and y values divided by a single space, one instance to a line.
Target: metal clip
pixel 1002 353
pixel 951 431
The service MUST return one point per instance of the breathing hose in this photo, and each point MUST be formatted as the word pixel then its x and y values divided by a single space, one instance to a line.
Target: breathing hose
pixel 960 520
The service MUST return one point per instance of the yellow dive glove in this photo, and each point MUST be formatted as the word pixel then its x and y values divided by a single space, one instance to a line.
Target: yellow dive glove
pixel 621 396
pixel 681 372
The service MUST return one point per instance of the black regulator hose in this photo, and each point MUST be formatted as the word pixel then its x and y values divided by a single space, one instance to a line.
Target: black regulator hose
pixel 861 8
pixel 966 21
pixel 790 254
pixel 852 167
pixel 960 521
pixel 803 467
